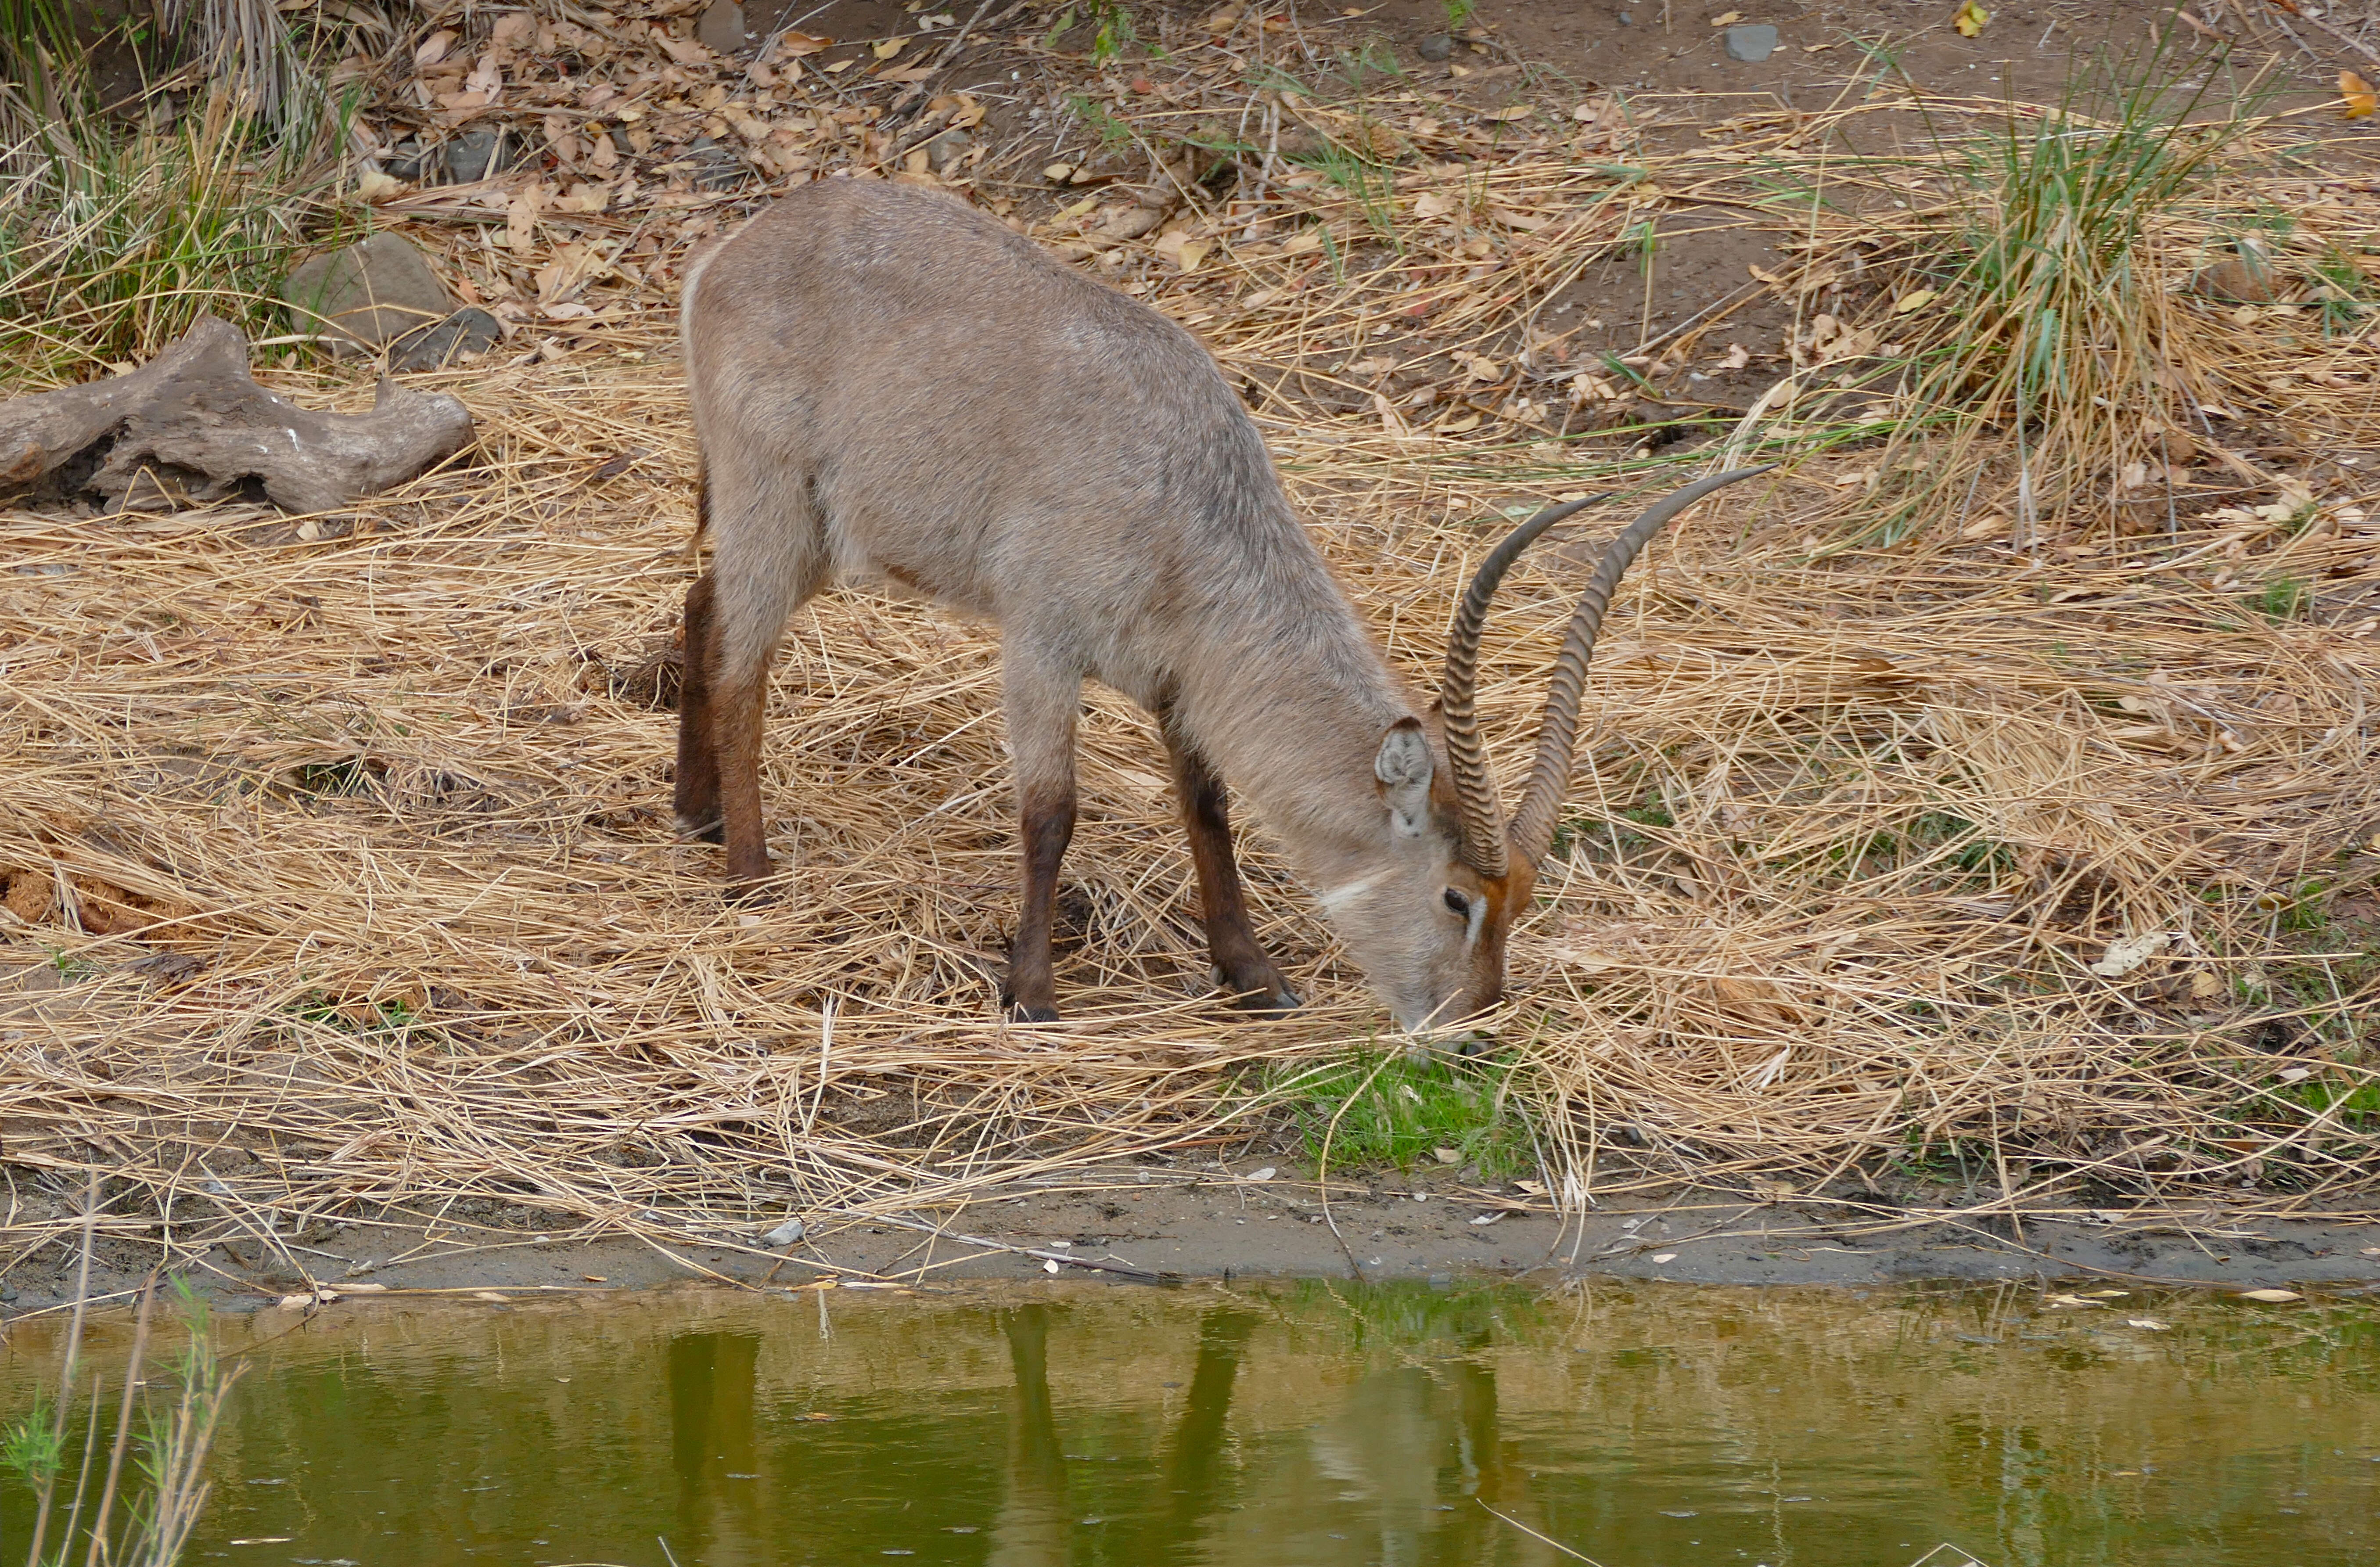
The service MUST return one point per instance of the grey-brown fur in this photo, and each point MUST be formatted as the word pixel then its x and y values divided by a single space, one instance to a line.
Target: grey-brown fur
pixel 889 386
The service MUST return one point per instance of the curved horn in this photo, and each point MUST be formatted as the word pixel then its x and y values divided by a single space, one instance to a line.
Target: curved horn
pixel 1475 787
pixel 1532 825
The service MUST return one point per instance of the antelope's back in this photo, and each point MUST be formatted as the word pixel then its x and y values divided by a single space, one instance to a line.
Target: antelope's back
pixel 972 418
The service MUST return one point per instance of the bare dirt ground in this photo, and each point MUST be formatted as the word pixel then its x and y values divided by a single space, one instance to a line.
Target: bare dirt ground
pixel 1166 1216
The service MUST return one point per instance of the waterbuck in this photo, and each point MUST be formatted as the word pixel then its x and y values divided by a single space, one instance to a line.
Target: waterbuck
pixel 889 386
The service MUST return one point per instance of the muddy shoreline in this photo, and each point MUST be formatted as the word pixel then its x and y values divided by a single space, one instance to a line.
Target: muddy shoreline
pixel 1154 1225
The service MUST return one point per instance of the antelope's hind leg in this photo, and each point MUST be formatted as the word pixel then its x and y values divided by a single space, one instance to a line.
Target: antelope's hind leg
pixel 1041 703
pixel 1242 967
pixel 769 555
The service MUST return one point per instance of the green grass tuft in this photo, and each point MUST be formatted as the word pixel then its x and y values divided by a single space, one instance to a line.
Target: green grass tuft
pixel 1393 1112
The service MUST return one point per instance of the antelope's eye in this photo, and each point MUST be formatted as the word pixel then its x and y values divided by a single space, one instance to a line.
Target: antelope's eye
pixel 1460 905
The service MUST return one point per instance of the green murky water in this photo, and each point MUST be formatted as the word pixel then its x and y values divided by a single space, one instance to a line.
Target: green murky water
pixel 1314 1423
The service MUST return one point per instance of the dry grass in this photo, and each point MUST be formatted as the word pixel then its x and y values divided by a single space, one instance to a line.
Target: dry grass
pixel 1854 823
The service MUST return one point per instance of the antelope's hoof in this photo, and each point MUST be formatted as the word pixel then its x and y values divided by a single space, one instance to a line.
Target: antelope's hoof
pixel 1017 1013
pixel 755 891
pixel 705 828
pixel 1262 992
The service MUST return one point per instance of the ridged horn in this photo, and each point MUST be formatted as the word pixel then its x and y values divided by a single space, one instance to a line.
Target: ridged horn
pixel 1475 787
pixel 1532 825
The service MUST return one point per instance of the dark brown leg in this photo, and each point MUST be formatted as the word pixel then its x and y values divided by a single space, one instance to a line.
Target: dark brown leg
pixel 1047 820
pixel 1041 700
pixel 1240 964
pixel 697 747
pixel 736 709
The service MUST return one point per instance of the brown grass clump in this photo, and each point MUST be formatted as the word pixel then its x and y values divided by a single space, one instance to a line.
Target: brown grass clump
pixel 338 869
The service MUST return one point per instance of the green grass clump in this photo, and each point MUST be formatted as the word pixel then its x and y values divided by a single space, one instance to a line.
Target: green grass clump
pixel 1392 1112
pixel 2053 319
pixel 114 240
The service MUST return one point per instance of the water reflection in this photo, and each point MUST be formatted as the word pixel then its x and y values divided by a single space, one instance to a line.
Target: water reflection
pixel 1319 1425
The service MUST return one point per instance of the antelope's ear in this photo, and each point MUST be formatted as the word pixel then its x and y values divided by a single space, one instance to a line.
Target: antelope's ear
pixel 1403 767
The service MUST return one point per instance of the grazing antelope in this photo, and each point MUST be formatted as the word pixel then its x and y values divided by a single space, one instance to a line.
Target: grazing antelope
pixel 888 384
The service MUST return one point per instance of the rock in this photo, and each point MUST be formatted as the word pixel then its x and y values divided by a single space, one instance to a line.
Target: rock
pixel 707 163
pixel 1131 222
pixel 788 1233
pixel 192 420
pixel 1436 46
pixel 1627 19
pixel 366 294
pixel 1752 43
pixel 2245 277
pixel 471 157
pixel 468 331
pixel 721 30
pixel 406 161
pixel 948 148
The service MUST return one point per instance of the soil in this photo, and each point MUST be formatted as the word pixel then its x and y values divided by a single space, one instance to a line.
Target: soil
pixel 1162 1223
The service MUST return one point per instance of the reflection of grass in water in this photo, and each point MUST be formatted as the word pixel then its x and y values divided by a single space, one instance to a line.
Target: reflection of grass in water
pixel 1404 1316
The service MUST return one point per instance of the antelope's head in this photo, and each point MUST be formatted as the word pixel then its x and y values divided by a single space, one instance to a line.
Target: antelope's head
pixel 1426 913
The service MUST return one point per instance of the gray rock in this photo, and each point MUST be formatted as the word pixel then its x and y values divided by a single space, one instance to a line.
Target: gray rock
pixel 707 163
pixel 406 161
pixel 1752 43
pixel 788 1233
pixel 1627 19
pixel 947 148
pixel 366 294
pixel 471 156
pixel 1436 46
pixel 468 331
pixel 721 30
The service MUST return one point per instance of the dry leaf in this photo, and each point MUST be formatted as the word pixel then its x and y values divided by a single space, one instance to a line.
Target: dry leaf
pixel 2361 100
pixel 794 45
pixel 2127 952
pixel 884 49
pixel 1916 301
pixel 1726 19
pixel 2151 1323
pixel 433 49
pixel 1970 20
pixel 2271 1297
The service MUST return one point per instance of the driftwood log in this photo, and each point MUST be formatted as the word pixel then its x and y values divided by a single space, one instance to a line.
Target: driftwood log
pixel 192 424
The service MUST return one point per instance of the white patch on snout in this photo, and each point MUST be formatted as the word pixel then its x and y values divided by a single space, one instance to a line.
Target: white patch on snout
pixel 1333 899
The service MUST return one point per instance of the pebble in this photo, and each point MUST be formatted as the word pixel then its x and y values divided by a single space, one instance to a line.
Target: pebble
pixel 1752 43
pixel 1436 46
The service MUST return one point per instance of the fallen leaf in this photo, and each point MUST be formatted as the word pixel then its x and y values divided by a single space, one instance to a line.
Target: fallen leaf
pixel 374 186
pixel 1665 1256
pixel 684 51
pixel 2127 952
pixel 794 46
pixel 1738 355
pixel 433 49
pixel 1916 301
pixel 2361 98
pixel 1970 20
pixel 1485 1218
pixel 2151 1323
pixel 2069 1301
pixel 1447 1155
pixel 1511 113
pixel 1461 426
pixel 491 1294
pixel 1726 19
pixel 884 49
pixel 2271 1297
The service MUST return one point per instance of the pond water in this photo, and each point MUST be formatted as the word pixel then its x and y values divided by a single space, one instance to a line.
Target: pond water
pixel 1324 1424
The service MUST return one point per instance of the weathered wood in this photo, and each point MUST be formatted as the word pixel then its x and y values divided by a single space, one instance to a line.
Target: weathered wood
pixel 193 423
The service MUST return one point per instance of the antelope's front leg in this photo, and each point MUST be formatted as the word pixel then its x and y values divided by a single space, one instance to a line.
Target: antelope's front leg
pixel 1242 966
pixel 1041 703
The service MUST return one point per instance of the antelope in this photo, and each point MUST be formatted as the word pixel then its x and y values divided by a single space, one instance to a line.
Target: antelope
pixel 891 387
